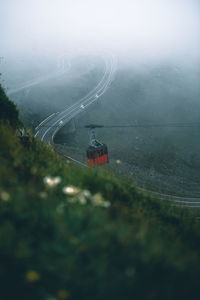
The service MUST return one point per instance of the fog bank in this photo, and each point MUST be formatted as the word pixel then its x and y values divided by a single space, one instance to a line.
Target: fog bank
pixel 132 29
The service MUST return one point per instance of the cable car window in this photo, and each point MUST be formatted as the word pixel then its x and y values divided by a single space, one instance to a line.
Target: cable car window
pixel 91 154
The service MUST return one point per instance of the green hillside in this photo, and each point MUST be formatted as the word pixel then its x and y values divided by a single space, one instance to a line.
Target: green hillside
pixel 8 110
pixel 68 232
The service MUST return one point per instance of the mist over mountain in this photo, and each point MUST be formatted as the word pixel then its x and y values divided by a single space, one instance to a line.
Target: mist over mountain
pixel 53 53
pixel 99 149
pixel 135 30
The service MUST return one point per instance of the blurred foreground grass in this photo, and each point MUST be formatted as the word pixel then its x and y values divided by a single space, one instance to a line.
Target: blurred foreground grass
pixel 72 233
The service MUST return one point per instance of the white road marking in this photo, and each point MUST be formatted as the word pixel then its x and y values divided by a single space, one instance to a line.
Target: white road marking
pixel 39 80
pixel 75 109
pixel 44 121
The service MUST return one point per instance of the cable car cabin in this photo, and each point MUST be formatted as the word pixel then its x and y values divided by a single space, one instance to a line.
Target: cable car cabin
pixel 97 155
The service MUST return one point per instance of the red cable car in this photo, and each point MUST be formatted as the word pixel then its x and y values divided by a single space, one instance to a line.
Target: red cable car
pixel 97 153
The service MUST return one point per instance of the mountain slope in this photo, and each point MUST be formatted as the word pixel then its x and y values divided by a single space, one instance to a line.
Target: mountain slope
pixel 73 233
pixel 8 110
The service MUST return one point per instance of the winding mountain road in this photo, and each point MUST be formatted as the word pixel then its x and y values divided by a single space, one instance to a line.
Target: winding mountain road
pixel 47 129
pixel 187 202
pixel 63 66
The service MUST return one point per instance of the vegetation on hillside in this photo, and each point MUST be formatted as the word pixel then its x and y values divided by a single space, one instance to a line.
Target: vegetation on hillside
pixel 8 110
pixel 73 233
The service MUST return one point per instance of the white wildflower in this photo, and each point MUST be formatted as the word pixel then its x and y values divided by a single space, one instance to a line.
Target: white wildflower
pixel 71 190
pixel 86 193
pixel 5 196
pixel 106 204
pixel 84 196
pixel 52 181
pixel 98 200
pixel 82 199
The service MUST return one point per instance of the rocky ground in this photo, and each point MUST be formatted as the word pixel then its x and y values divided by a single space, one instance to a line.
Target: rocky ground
pixel 176 184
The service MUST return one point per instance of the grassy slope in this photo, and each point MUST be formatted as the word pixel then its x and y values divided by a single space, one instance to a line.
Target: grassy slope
pixel 56 246
pixel 8 110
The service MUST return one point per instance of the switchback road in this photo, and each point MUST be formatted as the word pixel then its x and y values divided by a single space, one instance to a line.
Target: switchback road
pixel 47 129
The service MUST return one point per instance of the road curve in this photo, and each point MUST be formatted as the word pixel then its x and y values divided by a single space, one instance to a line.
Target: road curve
pixel 47 129
pixel 187 202
pixel 63 66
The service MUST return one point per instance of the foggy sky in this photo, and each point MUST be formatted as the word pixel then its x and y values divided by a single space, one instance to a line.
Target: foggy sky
pixel 133 28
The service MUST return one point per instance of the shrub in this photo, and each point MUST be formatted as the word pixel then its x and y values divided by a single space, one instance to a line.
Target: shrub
pixel 8 110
